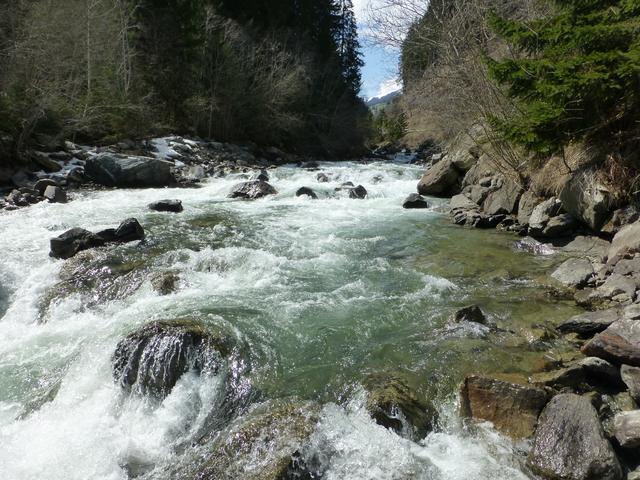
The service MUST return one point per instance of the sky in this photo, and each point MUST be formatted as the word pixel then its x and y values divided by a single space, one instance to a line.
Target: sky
pixel 380 72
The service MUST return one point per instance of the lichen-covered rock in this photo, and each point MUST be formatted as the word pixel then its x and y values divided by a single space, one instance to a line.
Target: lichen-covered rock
pixel 265 444
pixel 252 190
pixel 152 359
pixel 512 408
pixel 441 180
pixel 619 343
pixel 570 444
pixel 392 403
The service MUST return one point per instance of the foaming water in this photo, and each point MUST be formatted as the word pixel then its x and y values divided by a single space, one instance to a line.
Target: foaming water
pixel 318 292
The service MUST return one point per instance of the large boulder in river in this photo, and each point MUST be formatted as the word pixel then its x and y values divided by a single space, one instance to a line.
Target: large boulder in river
pixel 587 200
pixel 394 404
pixel 441 180
pixel 129 230
pixel 264 444
pixel 172 206
pixel 358 193
pixel 74 241
pixel 513 408
pixel 570 443
pixel 152 359
pixel 415 201
pixel 252 190
pixel 135 172
pixel 619 343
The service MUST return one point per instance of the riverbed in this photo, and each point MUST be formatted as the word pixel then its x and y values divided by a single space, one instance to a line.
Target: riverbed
pixel 320 293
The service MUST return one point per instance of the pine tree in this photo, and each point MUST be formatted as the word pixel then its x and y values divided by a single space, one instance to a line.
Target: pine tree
pixel 349 46
pixel 576 75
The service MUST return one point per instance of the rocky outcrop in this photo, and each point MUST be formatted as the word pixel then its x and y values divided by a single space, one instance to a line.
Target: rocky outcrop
pixel 574 272
pixel 263 445
pixel 415 201
pixel 619 343
pixel 112 170
pixel 570 444
pixel 252 190
pixel 512 408
pixel 527 204
pixel 440 180
pixel 152 359
pixel 504 200
pixel 392 403
pixel 172 206
pixel 587 200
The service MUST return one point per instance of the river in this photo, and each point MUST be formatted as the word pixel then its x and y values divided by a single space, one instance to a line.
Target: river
pixel 320 293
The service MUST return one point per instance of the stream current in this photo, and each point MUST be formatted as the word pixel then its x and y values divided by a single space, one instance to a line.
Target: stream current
pixel 320 292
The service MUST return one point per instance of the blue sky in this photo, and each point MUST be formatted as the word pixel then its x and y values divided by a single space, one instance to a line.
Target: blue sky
pixel 380 72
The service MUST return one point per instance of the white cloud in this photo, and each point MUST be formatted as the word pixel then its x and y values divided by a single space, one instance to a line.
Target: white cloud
pixel 388 86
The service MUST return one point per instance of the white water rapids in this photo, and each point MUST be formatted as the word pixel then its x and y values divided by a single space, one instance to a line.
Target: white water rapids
pixel 320 291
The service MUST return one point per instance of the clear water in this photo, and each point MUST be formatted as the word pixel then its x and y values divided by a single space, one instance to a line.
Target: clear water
pixel 320 293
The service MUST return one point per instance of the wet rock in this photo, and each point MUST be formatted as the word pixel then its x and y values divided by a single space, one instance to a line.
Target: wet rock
pixel 173 206
pixel 570 377
pixel 262 176
pixel 441 180
pixel 392 403
pixel 541 215
pixel 620 218
pixel 415 201
pixel 165 283
pixel 626 241
pixel 136 172
pixel 472 314
pixel 619 343
pixel 263 445
pixel 531 245
pixel 528 202
pixel 129 230
pixel 503 200
pixel 358 193
pixel 570 443
pixel 597 370
pixel 627 429
pixel 631 378
pixel 195 173
pixel 574 272
pixel 512 408
pixel 252 190
pixel 586 199
pixel 612 405
pixel 322 178
pixel 589 323
pixel 152 359
pixel 306 191
pixel 55 195
pixel 74 241
pixel 41 185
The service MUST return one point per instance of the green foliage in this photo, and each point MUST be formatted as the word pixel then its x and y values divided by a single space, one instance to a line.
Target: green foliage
pixel 575 76
pixel 390 127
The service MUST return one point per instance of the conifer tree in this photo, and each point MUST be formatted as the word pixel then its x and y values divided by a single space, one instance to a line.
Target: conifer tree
pixel 349 46
pixel 576 75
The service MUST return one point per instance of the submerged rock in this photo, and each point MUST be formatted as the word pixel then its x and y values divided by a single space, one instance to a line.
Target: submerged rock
pixel 74 241
pixel 531 245
pixel 137 172
pixel 513 408
pixel 415 201
pixel 392 403
pixel 570 443
pixel 173 206
pixel 265 444
pixel 151 360
pixel 252 190
pixel 306 191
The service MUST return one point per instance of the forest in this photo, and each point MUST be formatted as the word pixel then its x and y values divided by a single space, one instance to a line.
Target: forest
pixel 283 73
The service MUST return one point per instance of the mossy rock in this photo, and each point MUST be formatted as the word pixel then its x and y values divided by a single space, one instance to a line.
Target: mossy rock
pixel 263 445
pixel 152 359
pixel 394 404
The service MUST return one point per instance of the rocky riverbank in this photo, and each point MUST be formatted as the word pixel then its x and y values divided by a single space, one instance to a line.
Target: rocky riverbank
pixel 581 411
